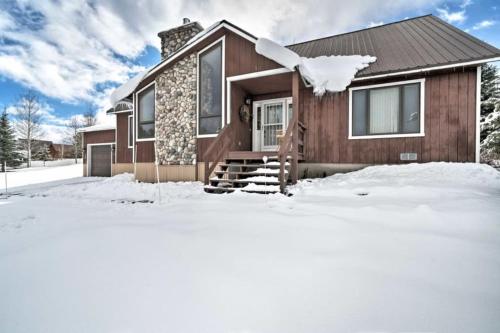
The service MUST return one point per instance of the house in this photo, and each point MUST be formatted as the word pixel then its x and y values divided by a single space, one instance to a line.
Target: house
pixel 99 153
pixel 61 150
pixel 216 110
pixel 56 150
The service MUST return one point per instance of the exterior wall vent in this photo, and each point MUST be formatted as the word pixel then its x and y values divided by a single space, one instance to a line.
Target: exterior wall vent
pixel 408 156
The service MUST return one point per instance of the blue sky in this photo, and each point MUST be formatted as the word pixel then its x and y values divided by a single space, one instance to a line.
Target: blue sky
pixel 73 53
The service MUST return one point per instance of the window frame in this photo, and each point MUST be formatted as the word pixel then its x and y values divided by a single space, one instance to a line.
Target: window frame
pixel 395 135
pixel 222 41
pixel 136 112
pixel 130 128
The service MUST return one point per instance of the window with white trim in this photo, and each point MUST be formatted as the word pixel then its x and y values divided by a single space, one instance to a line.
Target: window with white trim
pixel 210 90
pixel 130 131
pixel 387 110
pixel 146 114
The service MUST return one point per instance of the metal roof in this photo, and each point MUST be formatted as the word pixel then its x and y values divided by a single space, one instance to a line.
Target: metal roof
pixel 416 43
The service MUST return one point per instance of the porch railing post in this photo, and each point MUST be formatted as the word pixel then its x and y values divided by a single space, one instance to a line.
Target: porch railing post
pixel 294 170
pixel 205 173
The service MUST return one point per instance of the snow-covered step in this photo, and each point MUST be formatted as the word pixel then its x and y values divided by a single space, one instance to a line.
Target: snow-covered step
pixel 216 189
pixel 265 180
pixel 269 165
pixel 258 172
pixel 254 188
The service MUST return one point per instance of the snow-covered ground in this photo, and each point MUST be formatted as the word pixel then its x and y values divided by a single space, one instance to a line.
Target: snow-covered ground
pixel 412 248
pixel 53 171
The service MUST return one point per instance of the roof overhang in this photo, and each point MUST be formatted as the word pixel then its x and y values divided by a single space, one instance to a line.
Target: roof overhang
pixel 428 69
pixel 97 128
pixel 122 93
pixel 123 106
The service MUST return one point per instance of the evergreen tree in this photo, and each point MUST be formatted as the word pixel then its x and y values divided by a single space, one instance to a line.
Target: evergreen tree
pixel 490 146
pixel 490 93
pixel 7 143
pixel 43 154
pixel 490 114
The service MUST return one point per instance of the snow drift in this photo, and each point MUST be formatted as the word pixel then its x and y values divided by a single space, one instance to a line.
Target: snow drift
pixel 325 73
pixel 407 248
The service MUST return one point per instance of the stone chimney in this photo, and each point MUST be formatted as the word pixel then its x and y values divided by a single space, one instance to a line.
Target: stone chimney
pixel 175 38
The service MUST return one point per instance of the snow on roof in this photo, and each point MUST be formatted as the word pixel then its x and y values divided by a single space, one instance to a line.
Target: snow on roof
pixel 127 88
pixel 283 56
pixel 333 73
pixel 325 73
pixel 95 128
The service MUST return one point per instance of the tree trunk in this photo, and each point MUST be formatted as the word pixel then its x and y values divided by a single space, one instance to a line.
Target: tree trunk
pixel 28 162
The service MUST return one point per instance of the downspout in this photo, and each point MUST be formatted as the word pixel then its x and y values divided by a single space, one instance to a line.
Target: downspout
pixel 478 114
pixel 157 171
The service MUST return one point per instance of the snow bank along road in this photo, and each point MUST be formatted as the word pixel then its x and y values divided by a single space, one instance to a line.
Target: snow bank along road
pixel 411 248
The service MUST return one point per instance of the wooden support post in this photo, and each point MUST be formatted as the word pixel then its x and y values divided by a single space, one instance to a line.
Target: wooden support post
pixel 282 173
pixel 294 172
pixel 206 172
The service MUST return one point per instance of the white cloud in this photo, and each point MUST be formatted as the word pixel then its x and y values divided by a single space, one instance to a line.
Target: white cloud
pixel 452 17
pixel 466 3
pixel 54 133
pixel 5 21
pixel 458 16
pixel 375 24
pixel 53 126
pixel 67 50
pixel 483 24
pixel 77 50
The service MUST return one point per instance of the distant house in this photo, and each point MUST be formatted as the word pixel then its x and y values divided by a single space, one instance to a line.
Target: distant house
pixel 213 108
pixel 61 150
pixel 57 150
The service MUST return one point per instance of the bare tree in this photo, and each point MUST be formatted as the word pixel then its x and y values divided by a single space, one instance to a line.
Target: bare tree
pixel 74 138
pixel 29 122
pixel 89 116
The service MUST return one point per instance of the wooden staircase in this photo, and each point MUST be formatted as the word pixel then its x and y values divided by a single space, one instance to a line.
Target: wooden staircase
pixel 246 171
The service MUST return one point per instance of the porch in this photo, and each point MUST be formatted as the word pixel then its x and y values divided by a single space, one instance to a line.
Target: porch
pixel 263 130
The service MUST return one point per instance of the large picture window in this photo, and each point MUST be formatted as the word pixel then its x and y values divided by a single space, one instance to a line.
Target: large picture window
pixel 146 114
pixel 388 110
pixel 210 90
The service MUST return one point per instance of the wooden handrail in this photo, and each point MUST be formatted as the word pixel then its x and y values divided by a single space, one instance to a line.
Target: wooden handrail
pixel 302 126
pixel 222 143
pixel 284 150
pixel 291 140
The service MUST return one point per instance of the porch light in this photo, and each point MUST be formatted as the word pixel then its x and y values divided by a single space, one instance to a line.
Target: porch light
pixel 248 100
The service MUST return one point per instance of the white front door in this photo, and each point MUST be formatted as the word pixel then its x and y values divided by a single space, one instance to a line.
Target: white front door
pixel 271 118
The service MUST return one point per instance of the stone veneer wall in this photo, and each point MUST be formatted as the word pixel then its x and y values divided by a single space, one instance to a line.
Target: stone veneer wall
pixel 175 124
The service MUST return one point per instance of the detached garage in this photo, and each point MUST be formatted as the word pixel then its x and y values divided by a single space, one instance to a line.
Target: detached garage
pixel 98 150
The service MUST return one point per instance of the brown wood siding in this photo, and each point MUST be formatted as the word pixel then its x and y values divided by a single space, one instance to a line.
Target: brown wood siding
pixel 240 58
pixel 449 126
pixel 145 151
pixel 123 153
pixel 99 137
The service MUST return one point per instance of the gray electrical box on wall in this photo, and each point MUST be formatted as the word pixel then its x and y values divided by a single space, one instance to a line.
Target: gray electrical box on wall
pixel 408 156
